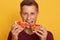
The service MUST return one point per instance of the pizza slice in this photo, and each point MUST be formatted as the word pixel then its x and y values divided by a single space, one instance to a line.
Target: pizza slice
pixel 22 25
pixel 34 27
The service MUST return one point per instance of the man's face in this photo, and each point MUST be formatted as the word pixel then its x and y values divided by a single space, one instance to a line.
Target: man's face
pixel 29 14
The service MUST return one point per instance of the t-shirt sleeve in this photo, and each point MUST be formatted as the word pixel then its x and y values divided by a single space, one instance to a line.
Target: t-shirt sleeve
pixel 50 36
pixel 10 36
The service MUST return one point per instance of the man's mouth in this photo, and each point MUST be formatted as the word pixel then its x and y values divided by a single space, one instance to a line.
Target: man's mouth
pixel 29 22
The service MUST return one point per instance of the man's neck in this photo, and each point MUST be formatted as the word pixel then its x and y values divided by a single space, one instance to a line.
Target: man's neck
pixel 28 31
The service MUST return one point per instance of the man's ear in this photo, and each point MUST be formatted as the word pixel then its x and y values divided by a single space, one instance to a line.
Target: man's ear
pixel 21 13
pixel 37 13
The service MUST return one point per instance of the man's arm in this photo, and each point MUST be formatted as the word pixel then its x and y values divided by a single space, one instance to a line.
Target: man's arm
pixel 49 36
pixel 10 36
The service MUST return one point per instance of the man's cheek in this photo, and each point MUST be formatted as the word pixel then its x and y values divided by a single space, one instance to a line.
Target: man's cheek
pixel 24 18
pixel 33 17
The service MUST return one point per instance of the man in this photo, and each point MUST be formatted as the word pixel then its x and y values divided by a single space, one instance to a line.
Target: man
pixel 29 13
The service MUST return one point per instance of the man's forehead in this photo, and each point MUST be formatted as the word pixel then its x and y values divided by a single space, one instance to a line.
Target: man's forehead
pixel 29 8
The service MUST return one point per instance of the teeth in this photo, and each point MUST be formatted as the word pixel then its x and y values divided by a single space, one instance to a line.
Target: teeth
pixel 28 26
pixel 30 22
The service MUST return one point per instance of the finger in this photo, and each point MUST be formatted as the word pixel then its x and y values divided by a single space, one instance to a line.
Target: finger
pixel 17 31
pixel 15 27
pixel 15 23
pixel 38 27
pixel 38 34
pixel 12 26
pixel 43 29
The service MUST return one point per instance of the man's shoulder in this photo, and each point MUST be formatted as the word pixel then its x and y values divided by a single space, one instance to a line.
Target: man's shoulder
pixel 50 35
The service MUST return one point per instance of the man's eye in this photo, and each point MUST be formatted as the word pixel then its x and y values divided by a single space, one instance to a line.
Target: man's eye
pixel 32 13
pixel 25 13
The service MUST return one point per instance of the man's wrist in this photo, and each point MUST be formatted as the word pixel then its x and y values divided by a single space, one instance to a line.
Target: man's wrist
pixel 14 38
pixel 42 38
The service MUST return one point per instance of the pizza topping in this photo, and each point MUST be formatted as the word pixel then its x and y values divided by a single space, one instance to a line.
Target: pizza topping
pixel 22 25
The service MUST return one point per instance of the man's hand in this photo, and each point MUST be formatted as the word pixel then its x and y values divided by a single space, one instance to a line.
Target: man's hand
pixel 15 30
pixel 42 33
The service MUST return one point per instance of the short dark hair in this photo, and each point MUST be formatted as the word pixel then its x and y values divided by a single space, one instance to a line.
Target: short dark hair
pixel 29 3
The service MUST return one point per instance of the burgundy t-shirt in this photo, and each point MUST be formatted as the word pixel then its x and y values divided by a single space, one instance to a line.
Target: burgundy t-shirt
pixel 25 36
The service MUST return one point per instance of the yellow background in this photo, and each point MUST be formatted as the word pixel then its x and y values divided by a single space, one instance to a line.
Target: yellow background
pixel 49 13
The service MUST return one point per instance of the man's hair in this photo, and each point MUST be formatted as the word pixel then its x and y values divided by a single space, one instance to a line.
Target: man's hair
pixel 29 3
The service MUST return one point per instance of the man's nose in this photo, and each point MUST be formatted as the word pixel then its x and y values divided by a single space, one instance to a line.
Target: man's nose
pixel 28 17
